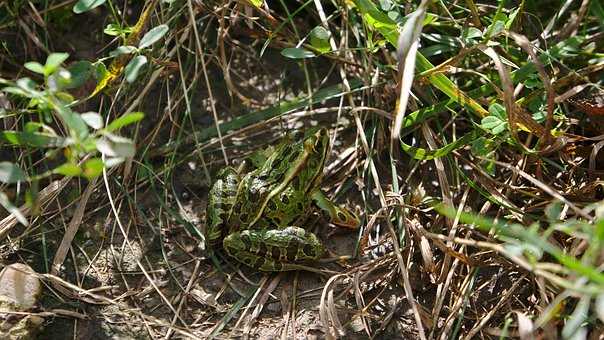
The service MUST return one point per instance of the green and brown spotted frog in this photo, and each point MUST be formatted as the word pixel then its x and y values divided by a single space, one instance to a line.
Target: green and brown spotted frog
pixel 256 216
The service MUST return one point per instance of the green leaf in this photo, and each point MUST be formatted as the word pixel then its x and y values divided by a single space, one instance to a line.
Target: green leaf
pixel 116 29
pixel 533 81
pixel 59 80
pixel 11 173
pixel 114 146
pixel 498 111
pixel 423 154
pixel 498 27
pixel 481 147
pixel 471 33
pixel 386 5
pixel 37 140
pixel 122 50
pixel 74 121
pixel 34 66
pixel 25 88
pixel 15 90
pixel 553 211
pixel 319 39
pixel 493 124
pixel 93 168
pixel 430 19
pixel 93 119
pixel 86 5
pixel 32 127
pixel 68 169
pixel 6 203
pixel 379 21
pixel 113 161
pixel 393 15
pixel 80 73
pixel 53 62
pixel 256 3
pixel 127 119
pixel 297 53
pixel 512 17
pixel 100 70
pixel 133 68
pixel 152 36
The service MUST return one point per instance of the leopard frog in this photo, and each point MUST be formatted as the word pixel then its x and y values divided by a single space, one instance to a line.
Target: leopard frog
pixel 256 216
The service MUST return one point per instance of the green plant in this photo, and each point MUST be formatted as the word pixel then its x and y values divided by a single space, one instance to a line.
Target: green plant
pixel 83 144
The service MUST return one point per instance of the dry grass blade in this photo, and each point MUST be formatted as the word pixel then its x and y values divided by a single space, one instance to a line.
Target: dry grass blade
pixel 395 241
pixel 260 304
pixel 408 43
pixel 331 327
pixel 358 296
pixel 72 229
pixel 550 191
pixel 45 196
pixel 483 321
pixel 483 202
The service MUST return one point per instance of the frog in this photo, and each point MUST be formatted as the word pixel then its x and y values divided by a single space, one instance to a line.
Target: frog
pixel 256 215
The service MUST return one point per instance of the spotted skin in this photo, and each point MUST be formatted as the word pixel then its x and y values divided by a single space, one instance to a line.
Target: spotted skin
pixel 253 215
pixel 275 249
pixel 221 200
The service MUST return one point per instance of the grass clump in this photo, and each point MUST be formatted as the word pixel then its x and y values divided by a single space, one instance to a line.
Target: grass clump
pixel 466 135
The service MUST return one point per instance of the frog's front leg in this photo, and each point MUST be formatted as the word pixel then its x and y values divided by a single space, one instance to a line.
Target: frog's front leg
pixel 274 250
pixel 337 215
pixel 221 199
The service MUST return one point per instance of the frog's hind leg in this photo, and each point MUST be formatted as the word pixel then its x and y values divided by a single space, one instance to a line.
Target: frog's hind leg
pixel 274 250
pixel 337 215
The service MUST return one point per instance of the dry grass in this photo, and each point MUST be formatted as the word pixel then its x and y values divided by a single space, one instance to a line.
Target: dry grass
pixel 483 220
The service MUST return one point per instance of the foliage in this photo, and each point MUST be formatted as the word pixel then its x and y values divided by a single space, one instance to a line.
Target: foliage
pixel 466 134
